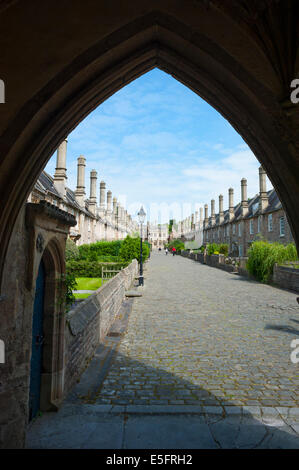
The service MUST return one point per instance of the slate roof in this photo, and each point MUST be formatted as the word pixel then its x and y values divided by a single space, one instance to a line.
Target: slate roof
pixel 45 185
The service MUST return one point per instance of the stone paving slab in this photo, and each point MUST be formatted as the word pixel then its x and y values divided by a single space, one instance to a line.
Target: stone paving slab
pixel 107 427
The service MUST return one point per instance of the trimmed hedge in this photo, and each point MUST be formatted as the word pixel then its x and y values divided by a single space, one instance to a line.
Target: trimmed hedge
pixel 83 268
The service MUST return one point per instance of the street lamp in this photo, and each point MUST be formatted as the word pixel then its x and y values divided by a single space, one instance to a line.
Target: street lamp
pixel 141 217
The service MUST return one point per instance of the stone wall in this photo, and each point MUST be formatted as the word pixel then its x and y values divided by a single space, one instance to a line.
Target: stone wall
pixel 89 322
pixel 287 278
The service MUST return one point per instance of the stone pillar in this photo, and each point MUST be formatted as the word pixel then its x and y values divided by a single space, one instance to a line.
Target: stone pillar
pixel 244 201
pixel 93 192
pixel 221 213
pixel 231 203
pixel 213 217
pixel 102 198
pixel 264 201
pixel 80 190
pixel 60 170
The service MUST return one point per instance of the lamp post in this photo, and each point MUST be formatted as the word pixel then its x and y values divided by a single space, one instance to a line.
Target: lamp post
pixel 141 217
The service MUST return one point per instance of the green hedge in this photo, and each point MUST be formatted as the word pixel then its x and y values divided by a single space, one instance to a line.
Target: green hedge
pixel 85 268
pixel 96 251
pixel 263 255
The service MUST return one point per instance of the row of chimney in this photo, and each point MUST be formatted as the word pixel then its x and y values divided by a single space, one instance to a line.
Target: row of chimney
pixel 111 208
pixel 190 223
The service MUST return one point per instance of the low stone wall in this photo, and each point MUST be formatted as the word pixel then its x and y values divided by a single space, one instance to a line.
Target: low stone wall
pixel 89 322
pixel 285 277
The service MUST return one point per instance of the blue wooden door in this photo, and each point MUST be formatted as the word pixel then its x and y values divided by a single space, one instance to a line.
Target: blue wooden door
pixel 37 344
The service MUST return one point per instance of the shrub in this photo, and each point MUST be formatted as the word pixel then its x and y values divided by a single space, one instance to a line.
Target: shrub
pixel 177 244
pixel 263 256
pixel 130 249
pixel 211 248
pixel 223 249
pixel 85 268
pixel 71 250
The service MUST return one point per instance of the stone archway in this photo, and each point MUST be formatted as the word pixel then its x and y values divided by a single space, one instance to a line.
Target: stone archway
pixel 240 56
pixel 246 76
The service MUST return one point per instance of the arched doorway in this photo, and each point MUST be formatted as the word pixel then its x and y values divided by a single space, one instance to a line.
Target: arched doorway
pixel 37 343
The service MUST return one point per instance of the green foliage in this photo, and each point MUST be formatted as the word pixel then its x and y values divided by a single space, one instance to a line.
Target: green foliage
pixel 215 249
pixel 202 248
pixel 95 251
pixel 130 249
pixel 86 268
pixel 71 250
pixel 177 244
pixel 211 248
pixel 66 284
pixel 263 256
pixel 223 249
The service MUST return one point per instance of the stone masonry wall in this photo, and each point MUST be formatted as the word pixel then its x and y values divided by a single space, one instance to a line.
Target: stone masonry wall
pixel 285 277
pixel 90 321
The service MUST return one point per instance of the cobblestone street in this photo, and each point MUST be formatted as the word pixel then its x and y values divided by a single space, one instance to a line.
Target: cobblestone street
pixel 203 362
pixel 203 336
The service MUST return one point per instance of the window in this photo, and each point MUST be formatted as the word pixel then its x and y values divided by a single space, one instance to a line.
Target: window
pixel 240 251
pixel 240 230
pixel 282 226
pixel 234 229
pixel 251 228
pixel 270 223
pixel 258 224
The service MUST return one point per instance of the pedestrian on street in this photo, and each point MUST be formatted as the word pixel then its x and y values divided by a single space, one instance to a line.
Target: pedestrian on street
pixel 166 251
pixel 173 251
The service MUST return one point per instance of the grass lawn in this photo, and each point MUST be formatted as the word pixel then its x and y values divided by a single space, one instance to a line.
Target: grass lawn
pixel 88 283
pixel 81 296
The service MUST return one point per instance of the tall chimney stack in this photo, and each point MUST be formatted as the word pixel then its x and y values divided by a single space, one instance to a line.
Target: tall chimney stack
pixel 264 200
pixel 206 221
pixel 102 207
pixel 80 190
pixel 93 192
pixel 213 217
pixel 221 213
pixel 60 170
pixel 231 203
pixel 244 202
pixel 109 203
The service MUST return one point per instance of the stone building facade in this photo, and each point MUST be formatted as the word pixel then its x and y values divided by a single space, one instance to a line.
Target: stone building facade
pixel 156 234
pixel 107 220
pixel 260 217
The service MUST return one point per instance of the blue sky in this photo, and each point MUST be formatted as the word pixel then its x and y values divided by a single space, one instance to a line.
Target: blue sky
pixel 157 143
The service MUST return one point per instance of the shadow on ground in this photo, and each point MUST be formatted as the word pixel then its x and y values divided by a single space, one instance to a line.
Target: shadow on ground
pixel 91 418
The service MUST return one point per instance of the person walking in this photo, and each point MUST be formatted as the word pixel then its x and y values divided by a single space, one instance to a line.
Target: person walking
pixel 166 251
pixel 173 250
